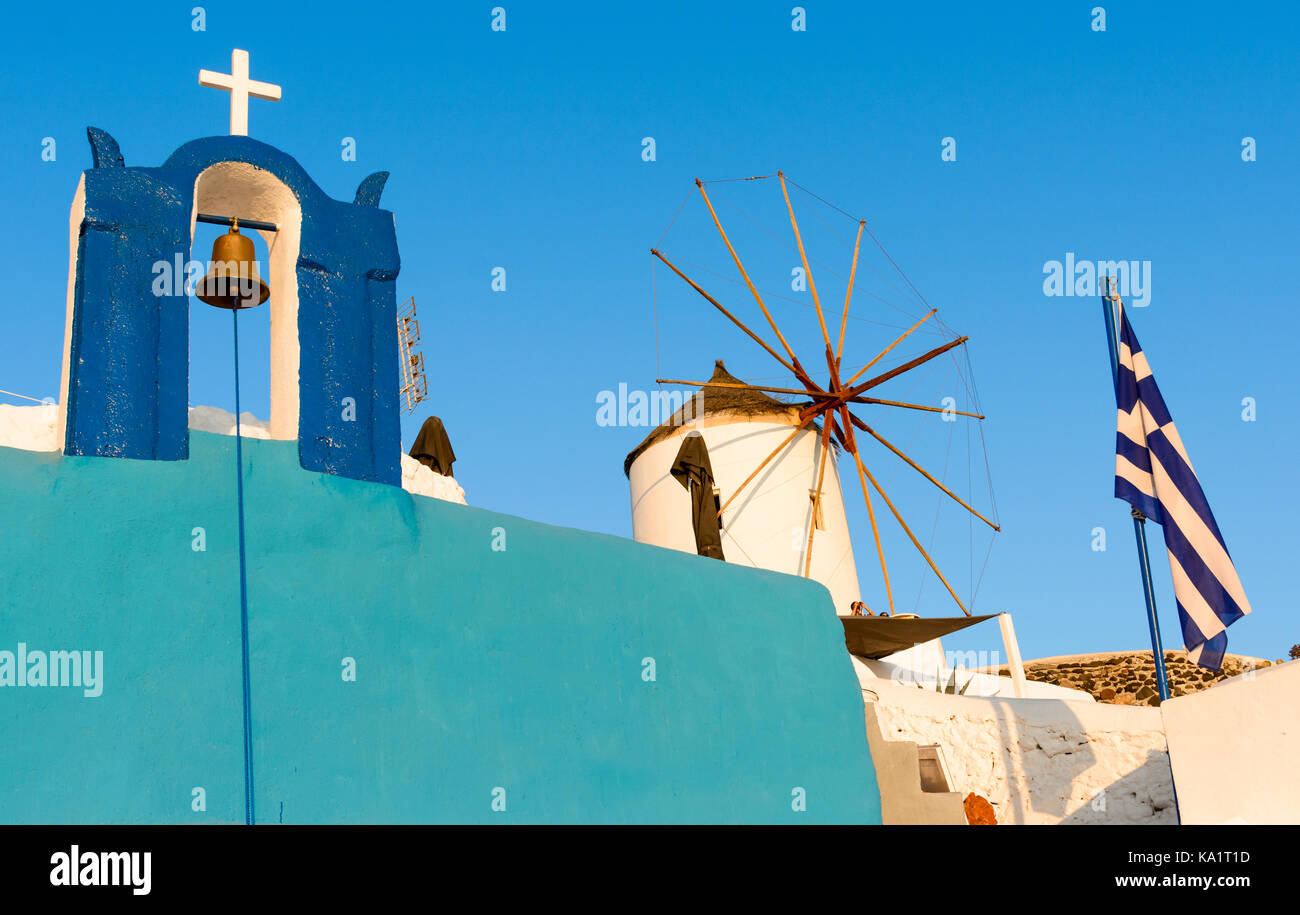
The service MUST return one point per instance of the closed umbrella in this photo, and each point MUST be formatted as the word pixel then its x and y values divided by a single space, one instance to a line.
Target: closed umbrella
pixel 691 468
pixel 432 447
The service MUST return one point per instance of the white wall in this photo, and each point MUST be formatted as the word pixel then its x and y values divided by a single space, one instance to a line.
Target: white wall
pixel 33 429
pixel 76 216
pixel 30 428
pixel 1040 761
pixel 767 525
pixel 982 685
pixel 1235 746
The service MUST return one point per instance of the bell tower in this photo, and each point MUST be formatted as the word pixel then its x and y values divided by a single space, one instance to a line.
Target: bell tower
pixel 332 277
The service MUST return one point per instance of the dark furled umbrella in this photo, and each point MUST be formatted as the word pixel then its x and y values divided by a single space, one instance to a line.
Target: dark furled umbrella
pixel 691 468
pixel 432 448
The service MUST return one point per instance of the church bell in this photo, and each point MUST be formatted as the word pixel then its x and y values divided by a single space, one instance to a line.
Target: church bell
pixel 232 280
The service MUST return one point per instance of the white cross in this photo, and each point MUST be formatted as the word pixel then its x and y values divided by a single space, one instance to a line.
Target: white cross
pixel 240 87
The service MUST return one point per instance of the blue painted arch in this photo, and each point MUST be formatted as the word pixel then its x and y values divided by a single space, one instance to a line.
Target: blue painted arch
pixel 129 369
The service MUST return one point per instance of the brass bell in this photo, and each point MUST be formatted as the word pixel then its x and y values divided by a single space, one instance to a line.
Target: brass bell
pixel 232 281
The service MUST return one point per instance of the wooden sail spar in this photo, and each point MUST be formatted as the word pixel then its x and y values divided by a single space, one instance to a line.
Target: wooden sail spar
pixel 831 403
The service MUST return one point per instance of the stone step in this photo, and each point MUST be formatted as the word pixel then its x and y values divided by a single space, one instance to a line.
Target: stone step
pixel 898 774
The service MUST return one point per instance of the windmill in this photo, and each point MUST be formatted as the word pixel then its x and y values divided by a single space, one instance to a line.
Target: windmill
pixel 831 404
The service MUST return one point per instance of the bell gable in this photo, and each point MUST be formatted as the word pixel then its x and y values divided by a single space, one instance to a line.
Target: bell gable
pixel 334 332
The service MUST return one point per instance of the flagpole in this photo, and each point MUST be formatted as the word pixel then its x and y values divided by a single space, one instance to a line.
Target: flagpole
pixel 1139 519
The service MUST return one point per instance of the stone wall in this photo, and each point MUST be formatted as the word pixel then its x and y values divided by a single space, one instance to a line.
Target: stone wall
pixel 1128 677
pixel 1040 761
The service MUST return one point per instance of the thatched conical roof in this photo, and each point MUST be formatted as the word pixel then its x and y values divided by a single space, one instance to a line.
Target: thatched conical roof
pixel 711 400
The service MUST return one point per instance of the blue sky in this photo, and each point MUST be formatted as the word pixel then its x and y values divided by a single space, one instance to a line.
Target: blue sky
pixel 523 149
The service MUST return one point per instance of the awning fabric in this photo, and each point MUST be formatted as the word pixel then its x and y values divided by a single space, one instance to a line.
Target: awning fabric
pixel 875 637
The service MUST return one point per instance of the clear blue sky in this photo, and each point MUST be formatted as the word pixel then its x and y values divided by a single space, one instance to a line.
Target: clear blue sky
pixel 523 149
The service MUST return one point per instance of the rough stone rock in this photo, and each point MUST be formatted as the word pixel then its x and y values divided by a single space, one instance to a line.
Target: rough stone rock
pixel 1112 676
pixel 979 812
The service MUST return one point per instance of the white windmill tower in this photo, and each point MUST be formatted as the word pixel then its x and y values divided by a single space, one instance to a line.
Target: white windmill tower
pixel 771 515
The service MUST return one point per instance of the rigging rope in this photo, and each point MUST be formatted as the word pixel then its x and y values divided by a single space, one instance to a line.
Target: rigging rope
pixel 980 580
pixel 867 226
pixel 249 815
pixel 934 530
pixel 23 396
pixel 988 468
pixel 654 302
pixel 674 219
pixel 768 295
pixel 970 519
pixel 822 199
pixel 727 180
pixel 823 266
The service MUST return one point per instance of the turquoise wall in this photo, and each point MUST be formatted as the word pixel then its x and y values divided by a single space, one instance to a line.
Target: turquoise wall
pixel 476 668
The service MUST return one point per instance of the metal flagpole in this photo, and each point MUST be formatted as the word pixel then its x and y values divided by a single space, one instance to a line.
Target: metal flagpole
pixel 1139 519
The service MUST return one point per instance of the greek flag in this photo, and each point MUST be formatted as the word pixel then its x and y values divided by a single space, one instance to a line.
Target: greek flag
pixel 1154 475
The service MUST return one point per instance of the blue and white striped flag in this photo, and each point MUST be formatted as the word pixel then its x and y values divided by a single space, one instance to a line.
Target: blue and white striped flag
pixel 1154 475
